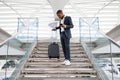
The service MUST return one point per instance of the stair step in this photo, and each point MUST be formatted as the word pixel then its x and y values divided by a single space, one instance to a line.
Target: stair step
pixel 46 56
pixel 61 69
pixel 49 60
pixel 60 56
pixel 78 50
pixel 58 66
pixel 56 63
pixel 59 75
pixel 59 47
pixel 37 78
pixel 52 61
pixel 61 59
pixel 57 71
pixel 71 45
pixel 72 52
pixel 72 49
pixel 46 45
pixel 38 60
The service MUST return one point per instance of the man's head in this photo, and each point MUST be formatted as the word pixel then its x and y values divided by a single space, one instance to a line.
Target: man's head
pixel 60 14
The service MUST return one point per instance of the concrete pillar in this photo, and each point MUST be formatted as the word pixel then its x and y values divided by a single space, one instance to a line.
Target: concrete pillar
pixel 57 4
pixel 119 13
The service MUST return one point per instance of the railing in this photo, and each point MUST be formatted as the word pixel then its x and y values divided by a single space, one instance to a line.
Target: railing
pixel 102 51
pixel 13 54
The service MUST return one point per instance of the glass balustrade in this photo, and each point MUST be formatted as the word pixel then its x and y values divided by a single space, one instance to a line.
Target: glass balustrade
pixel 104 49
pixel 13 54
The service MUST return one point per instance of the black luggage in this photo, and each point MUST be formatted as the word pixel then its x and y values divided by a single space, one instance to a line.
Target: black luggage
pixel 53 50
pixel 53 47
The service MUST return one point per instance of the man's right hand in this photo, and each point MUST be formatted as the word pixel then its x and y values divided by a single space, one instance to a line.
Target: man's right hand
pixel 53 29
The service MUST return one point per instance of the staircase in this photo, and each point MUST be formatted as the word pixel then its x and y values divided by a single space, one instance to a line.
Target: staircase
pixel 40 67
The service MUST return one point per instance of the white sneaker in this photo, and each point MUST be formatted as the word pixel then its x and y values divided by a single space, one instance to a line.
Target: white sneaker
pixel 64 62
pixel 67 63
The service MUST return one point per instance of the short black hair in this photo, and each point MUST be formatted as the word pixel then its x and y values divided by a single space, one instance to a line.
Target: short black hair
pixel 59 11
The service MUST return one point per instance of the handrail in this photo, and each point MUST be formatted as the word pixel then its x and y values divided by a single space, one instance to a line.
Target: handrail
pixel 110 39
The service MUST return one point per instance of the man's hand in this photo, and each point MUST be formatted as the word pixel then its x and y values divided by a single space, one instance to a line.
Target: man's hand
pixel 54 29
pixel 63 25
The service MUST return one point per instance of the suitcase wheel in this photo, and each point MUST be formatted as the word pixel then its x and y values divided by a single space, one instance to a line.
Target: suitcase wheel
pixel 49 57
pixel 58 57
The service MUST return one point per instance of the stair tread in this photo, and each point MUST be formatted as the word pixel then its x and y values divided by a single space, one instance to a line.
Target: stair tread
pixel 61 51
pixel 60 69
pixel 71 45
pixel 58 43
pixel 59 75
pixel 58 78
pixel 56 66
pixel 46 45
pixel 73 48
pixel 46 52
pixel 56 63
pixel 62 59
pixel 61 54
pixel 77 47
pixel 37 71
pixel 48 60
pixel 57 72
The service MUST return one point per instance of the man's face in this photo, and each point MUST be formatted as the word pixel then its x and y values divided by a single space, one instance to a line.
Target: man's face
pixel 60 15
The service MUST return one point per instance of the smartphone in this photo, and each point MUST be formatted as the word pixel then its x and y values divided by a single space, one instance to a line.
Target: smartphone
pixel 60 24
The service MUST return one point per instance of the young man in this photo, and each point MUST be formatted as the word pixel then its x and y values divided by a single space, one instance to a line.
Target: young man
pixel 65 34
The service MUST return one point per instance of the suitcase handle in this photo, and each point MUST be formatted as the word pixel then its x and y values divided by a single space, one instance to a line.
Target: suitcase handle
pixel 54 33
pixel 54 37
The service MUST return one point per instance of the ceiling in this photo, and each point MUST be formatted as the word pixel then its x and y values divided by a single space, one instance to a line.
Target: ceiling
pixel 108 12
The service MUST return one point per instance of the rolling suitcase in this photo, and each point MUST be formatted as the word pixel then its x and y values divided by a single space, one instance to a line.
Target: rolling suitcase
pixel 53 48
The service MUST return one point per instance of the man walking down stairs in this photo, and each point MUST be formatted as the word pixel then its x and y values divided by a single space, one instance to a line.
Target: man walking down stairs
pixel 65 35
pixel 39 67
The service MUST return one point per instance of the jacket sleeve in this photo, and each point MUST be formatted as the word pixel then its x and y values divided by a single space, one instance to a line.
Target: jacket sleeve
pixel 70 23
pixel 58 27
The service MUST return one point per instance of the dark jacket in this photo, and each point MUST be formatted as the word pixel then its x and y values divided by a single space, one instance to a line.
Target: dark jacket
pixel 69 24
